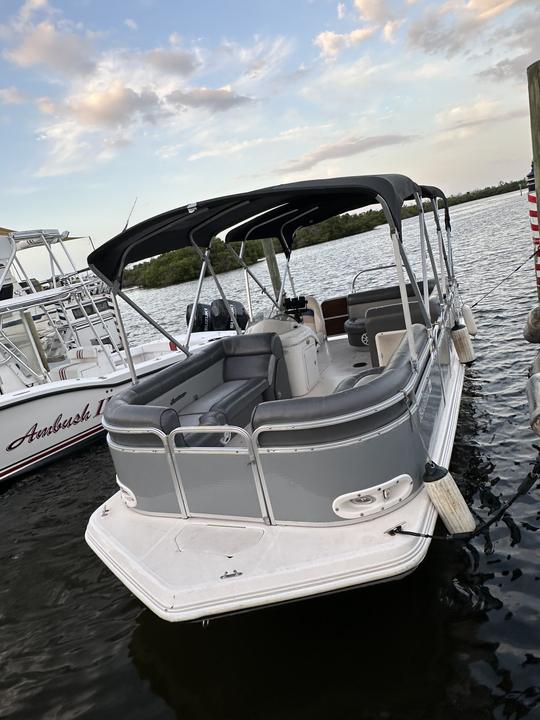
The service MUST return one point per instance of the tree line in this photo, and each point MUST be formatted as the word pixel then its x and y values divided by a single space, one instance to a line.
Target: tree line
pixel 182 265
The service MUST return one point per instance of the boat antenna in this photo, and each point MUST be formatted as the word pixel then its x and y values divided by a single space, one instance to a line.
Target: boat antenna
pixel 130 214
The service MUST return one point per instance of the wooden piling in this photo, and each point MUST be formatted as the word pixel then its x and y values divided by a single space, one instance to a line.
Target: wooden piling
pixel 533 78
pixel 271 261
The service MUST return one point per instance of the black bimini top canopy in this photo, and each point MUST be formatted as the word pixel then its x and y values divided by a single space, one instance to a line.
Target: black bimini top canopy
pixel 271 212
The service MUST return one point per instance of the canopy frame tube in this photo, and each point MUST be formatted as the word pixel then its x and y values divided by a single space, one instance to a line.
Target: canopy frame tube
pixel 252 275
pixel 125 341
pixel 12 253
pixel 202 273
pixel 151 320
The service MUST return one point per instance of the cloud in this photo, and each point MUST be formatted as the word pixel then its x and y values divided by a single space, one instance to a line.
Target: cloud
pixel 462 121
pixel 12 96
pixel 255 62
pixel 389 30
pixel 174 61
pixel 29 7
pixel 165 152
pixel 231 148
pixel 373 10
pixel 103 97
pixel 67 148
pixel 115 106
pixel 331 43
pixel 382 14
pixel 340 10
pixel 338 80
pixel 45 105
pixel 481 10
pixel 454 26
pixel 216 100
pixel 520 43
pixel 346 147
pixel 44 44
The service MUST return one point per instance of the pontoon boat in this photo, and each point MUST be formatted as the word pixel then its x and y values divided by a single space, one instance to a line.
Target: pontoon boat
pixel 277 464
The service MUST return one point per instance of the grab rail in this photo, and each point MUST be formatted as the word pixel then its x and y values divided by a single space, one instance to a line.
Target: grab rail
pixel 260 485
pixel 371 269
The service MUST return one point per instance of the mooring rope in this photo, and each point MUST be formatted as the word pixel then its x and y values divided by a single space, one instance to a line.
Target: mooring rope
pixel 523 489
pixel 535 251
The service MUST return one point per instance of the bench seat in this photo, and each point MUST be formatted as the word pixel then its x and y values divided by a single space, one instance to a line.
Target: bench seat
pixel 220 384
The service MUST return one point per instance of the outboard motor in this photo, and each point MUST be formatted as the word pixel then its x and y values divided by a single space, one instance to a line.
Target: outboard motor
pixel 220 318
pixel 203 320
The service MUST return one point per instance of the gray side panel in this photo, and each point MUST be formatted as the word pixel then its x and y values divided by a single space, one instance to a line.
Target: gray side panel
pixel 218 484
pixel 430 402
pixel 189 390
pixel 303 485
pixel 148 476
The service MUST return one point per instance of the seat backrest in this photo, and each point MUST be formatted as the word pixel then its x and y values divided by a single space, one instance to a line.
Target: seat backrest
pixel 257 355
pixel 318 319
pixel 384 386
pixel 390 317
pixel 360 302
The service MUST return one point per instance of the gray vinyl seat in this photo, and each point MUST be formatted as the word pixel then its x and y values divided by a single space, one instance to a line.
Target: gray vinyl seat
pixel 386 383
pixel 359 303
pixel 390 317
pixel 218 385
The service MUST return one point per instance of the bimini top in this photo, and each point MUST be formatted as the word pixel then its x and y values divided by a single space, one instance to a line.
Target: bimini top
pixel 276 211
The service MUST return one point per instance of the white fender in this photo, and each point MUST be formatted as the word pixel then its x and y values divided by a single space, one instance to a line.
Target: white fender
pixel 462 343
pixel 468 319
pixel 448 500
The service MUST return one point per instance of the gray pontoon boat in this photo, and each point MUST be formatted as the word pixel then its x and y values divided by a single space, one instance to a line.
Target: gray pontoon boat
pixel 267 466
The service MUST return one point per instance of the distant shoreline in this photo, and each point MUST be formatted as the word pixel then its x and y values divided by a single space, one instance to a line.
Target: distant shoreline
pixel 183 265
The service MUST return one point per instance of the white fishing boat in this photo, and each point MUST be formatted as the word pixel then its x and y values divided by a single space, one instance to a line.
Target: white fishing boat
pixel 291 459
pixel 61 354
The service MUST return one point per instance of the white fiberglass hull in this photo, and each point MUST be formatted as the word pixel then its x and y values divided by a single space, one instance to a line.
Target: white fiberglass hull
pixel 187 569
pixel 40 423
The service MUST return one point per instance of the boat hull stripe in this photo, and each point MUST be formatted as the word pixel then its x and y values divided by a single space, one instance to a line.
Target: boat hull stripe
pixel 16 467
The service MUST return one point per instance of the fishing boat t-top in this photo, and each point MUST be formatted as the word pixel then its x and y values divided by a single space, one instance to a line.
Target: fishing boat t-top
pixel 278 462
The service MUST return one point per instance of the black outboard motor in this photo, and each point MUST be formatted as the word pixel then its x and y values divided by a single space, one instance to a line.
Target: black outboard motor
pixel 220 318
pixel 203 320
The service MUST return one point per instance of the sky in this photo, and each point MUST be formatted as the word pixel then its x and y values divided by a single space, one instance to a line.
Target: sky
pixel 170 101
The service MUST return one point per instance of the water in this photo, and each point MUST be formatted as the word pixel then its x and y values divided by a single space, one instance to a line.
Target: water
pixel 460 638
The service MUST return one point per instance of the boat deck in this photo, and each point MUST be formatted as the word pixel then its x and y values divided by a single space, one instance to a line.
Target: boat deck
pixel 337 361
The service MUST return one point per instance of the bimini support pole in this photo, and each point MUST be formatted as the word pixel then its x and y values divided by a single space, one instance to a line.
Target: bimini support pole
pixel 252 275
pixel 125 341
pixel 423 251
pixel 440 241
pixel 287 269
pixel 396 243
pixel 218 285
pixel 246 281
pixel 197 296
pixel 404 298
pixel 152 322
pixel 431 258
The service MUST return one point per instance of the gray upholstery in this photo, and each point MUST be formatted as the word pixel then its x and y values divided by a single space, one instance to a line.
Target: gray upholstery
pixel 353 380
pixel 360 303
pixel 220 384
pixel 385 319
pixel 388 383
pixel 378 296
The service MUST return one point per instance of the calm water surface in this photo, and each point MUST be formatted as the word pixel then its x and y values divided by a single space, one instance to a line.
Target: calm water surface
pixel 460 638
